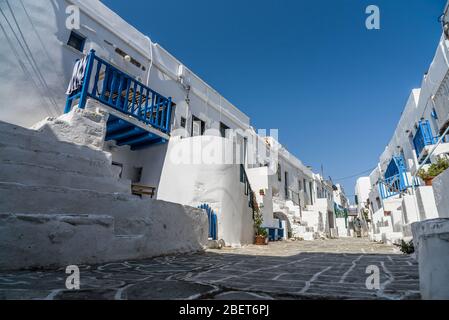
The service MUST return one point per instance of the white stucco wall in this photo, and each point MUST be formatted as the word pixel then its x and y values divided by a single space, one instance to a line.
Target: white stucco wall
pixel 441 191
pixel 259 178
pixel 432 247
pixel 297 174
pixel 183 181
pixel 426 203
pixel 410 210
pixel 362 190
pixel 341 227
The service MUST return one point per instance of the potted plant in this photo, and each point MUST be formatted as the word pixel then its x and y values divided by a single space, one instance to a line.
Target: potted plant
pixel 434 170
pixel 261 233
pixel 261 236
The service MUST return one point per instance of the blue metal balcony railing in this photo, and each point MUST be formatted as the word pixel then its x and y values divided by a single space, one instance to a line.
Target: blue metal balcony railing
pixel 391 186
pixel 120 91
pixel 423 137
pixel 396 179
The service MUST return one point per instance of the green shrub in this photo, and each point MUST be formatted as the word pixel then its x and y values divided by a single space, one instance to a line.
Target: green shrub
pixel 434 169
pixel 258 220
pixel 407 247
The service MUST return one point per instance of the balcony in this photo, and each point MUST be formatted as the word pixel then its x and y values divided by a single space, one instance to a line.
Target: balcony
pixel 422 139
pixel 139 116
pixel 396 179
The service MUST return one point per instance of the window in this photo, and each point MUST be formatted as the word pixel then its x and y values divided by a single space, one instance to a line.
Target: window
pixel 223 129
pixel 356 199
pixel 304 184
pixel 379 204
pixel 279 172
pixel 245 151
pixel 198 126
pixel 123 54
pixel 136 174
pixel 311 192
pixel 183 122
pixel 299 185
pixel 76 41
pixel 286 185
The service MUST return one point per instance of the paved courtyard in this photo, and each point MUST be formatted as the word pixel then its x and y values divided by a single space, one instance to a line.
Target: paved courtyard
pixel 321 269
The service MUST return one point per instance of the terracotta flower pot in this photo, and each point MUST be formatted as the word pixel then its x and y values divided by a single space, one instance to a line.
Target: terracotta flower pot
pixel 428 181
pixel 261 240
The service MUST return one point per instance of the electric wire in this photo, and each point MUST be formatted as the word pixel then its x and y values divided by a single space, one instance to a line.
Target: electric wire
pixel 24 68
pixel 43 80
pixel 30 58
pixel 355 175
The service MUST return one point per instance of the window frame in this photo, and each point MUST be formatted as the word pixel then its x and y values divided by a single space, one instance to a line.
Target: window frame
pixel 223 128
pixel 78 36
pixel 183 122
pixel 202 123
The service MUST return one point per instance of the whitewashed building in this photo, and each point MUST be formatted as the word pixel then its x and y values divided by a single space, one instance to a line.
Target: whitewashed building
pixel 341 207
pixel 397 196
pixel 160 131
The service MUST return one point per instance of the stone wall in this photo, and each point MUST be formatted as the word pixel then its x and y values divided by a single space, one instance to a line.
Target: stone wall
pixel 61 203
pixel 431 241
pixel 440 189
pixel 53 240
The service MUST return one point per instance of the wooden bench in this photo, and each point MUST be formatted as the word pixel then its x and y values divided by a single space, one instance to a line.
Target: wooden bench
pixel 141 190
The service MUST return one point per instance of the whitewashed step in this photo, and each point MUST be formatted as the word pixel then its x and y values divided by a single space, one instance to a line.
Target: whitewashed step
pixel 33 239
pixel 20 198
pixel 38 175
pixel 309 236
pixel 57 160
pixel 125 209
pixel 14 136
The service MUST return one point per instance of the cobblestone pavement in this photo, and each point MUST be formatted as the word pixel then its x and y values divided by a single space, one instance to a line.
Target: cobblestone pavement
pixel 321 269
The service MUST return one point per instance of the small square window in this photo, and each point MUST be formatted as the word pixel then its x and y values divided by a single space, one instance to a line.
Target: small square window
pixel 183 122
pixel 76 41
pixel 223 129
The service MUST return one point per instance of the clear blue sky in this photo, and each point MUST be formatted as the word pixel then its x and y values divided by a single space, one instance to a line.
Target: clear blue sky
pixel 310 68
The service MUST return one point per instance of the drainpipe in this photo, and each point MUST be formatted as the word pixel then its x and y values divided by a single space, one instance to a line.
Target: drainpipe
pixel 151 61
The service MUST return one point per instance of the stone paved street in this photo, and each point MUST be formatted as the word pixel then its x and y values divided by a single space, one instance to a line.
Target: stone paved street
pixel 321 269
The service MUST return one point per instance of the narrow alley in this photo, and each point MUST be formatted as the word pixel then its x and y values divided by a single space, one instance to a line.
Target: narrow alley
pixel 320 269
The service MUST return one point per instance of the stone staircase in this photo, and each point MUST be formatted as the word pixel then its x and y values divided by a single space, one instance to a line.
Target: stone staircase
pixel 62 203
pixel 299 228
